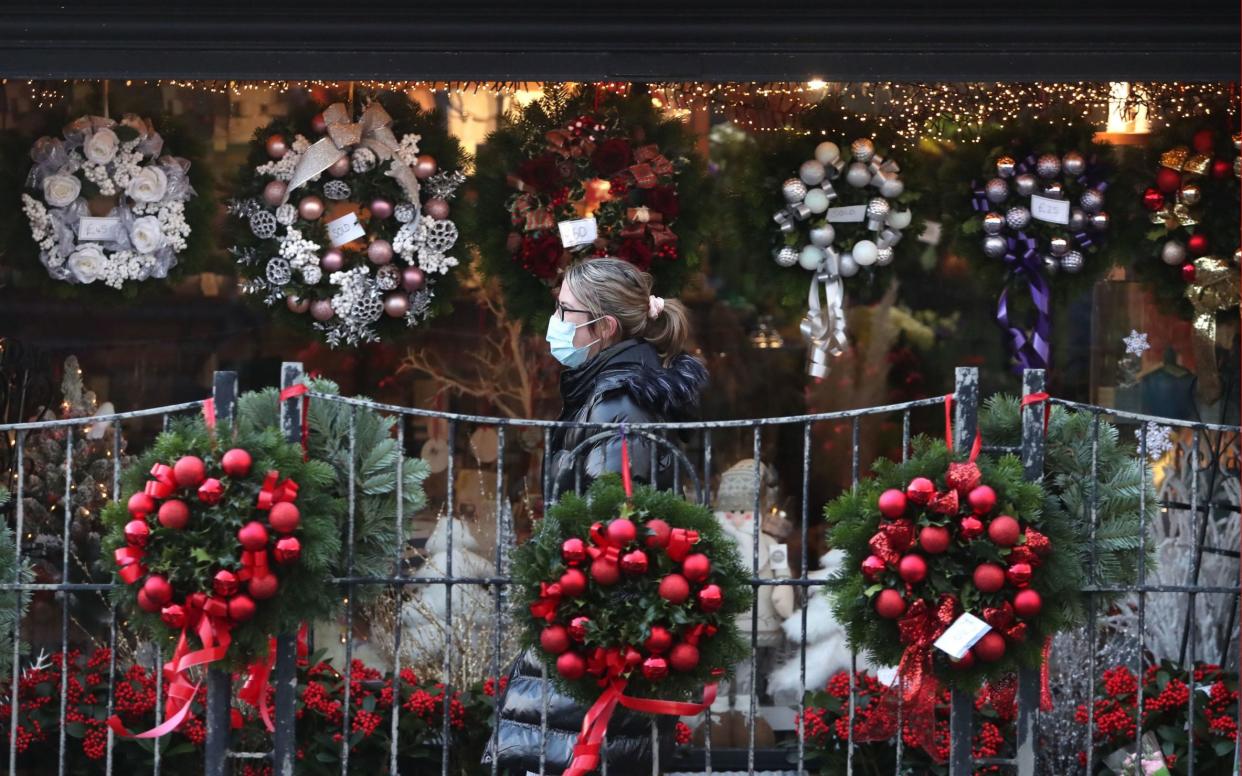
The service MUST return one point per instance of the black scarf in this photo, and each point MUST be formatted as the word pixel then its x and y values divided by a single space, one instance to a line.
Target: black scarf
pixel 578 384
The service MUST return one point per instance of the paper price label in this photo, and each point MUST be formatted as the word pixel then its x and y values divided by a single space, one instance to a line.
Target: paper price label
pixel 931 233
pixel 345 229
pixel 101 229
pixel 1053 211
pixel 578 232
pixel 778 557
pixel 963 634
pixel 847 214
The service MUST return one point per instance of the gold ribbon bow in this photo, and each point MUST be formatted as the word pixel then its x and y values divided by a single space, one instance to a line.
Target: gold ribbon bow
pixel 1215 289
pixel 372 130
pixel 650 166
pixel 1173 217
pixel 644 220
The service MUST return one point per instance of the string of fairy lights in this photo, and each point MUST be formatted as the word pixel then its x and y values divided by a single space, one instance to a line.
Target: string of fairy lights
pixel 914 110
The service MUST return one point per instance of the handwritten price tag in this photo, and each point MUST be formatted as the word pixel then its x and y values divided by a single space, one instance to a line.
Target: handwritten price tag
pixel 1054 211
pixel 578 232
pixel 102 229
pixel 847 214
pixel 963 634
pixel 345 229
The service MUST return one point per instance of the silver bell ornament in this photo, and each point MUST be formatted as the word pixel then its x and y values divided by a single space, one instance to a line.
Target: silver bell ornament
pixel 1077 220
pixel 793 190
pixel 1048 166
pixel 1092 200
pixel 994 246
pixel 1005 166
pixel 1173 253
pixel 993 223
pixel 883 256
pixel 1190 194
pixel 1051 265
pixel 996 190
pixel 1054 190
pixel 810 258
pixel 1072 262
pixel 787 256
pixel 862 149
pixel 877 211
pixel 1073 164
pixel 1025 184
pixel 1018 217
pixel 1099 221
pixel 823 235
pixel 858 175
pixel 811 172
pixel 1058 245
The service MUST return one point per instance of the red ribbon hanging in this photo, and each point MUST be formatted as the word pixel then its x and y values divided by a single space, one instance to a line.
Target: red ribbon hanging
pixel 948 430
pixel 292 392
pixel 1038 398
pixel 209 413
pixel 129 559
pixel 627 479
pixel 254 691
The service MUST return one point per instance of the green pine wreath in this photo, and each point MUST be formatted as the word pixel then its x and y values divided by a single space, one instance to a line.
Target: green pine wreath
pixel 573 151
pixel 627 615
pixel 191 551
pixel 879 575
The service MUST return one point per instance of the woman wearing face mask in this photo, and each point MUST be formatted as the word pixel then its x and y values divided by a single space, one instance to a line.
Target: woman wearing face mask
pixel 624 355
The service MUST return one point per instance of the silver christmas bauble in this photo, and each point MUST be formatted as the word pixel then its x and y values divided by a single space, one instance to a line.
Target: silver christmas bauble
pixel 1005 166
pixel 1092 200
pixel 1072 262
pixel 793 190
pixel 1051 265
pixel 1048 166
pixel 883 257
pixel 811 172
pixel 1025 184
pixel 1054 190
pixel 787 256
pixel 996 190
pixel 1099 221
pixel 993 223
pixel 862 149
pixel 286 214
pixel 847 266
pixel 1058 245
pixel 388 277
pixel 878 208
pixel 827 153
pixel 1077 220
pixel 823 235
pixel 858 175
pixel 1173 253
pixel 1073 164
pixel 810 258
pixel 1018 217
pixel 1190 194
pixel 994 246
pixel 892 188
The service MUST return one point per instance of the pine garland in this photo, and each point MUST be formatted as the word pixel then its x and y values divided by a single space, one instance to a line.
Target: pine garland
pixel 13 604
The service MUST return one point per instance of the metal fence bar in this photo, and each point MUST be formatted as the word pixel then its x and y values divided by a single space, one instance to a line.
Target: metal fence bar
pixel 757 483
pixel 349 590
pixel 1033 470
pixel 66 597
pixel 20 442
pixel 965 426
pixel 1142 580
pixel 446 729
pixel 219 682
pixel 803 595
pixel 398 556
pixel 116 496
pixel 284 738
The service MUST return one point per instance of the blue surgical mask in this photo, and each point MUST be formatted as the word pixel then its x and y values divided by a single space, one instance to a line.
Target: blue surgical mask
pixel 561 340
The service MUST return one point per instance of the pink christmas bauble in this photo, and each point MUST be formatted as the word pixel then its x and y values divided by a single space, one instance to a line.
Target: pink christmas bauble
pixel 340 168
pixel 379 252
pixel 436 208
pixel 425 167
pixel 381 208
pixel 310 208
pixel 277 147
pixel 396 304
pixel 332 260
pixel 412 279
pixel 297 304
pixel 321 309
pixel 274 193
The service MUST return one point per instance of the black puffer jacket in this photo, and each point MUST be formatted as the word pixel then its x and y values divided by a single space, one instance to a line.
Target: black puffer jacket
pixel 625 383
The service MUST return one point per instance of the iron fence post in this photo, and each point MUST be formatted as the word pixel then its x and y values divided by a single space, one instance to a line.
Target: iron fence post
pixel 962 706
pixel 220 683
pixel 1033 440
pixel 284 738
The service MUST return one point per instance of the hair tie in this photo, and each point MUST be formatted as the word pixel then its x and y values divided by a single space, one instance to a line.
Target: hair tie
pixel 655 306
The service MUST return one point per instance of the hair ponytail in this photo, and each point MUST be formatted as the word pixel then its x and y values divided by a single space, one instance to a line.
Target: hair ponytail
pixel 669 331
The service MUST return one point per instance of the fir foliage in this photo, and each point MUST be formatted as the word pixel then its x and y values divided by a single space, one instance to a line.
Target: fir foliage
pixel 13 604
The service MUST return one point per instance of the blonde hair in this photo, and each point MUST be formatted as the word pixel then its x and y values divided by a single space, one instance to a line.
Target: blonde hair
pixel 608 286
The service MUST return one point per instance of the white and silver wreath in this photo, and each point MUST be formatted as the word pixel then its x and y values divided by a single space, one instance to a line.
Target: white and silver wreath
pixel 833 233
pixel 344 262
pixel 105 203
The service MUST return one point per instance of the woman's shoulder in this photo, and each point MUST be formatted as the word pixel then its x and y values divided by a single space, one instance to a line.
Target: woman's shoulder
pixel 658 391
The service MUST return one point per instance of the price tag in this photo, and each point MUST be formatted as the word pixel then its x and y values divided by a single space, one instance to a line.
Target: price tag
pixel 345 229
pixel 578 232
pixel 931 233
pixel 963 634
pixel 848 214
pixel 1054 211
pixel 778 558
pixel 101 229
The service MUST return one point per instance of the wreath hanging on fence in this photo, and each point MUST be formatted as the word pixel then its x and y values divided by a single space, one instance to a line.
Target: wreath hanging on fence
pixel 629 600
pixel 586 174
pixel 345 219
pixel 105 202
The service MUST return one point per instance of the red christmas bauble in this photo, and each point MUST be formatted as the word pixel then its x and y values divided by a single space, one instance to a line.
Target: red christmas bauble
pixel 655 668
pixel 892 503
pixel 696 567
pixel 990 648
pixel 683 657
pixel 1153 200
pixel 174 514
pixel 158 591
pixel 284 517
pixel 634 562
pixel 554 639
pixel 1203 141
pixel 578 628
pixel 236 462
pixel 1197 244
pixel 573 551
pixel 189 471
pixel 967 662
pixel 1027 603
pixel 970 528
pixel 621 532
pixel 252 536
pixel 659 640
pixel 1188 272
pixel 920 490
pixel 633 658
pixel 605 572
pixel 912 569
pixel 224 583
pixel 658 532
pixel 173 616
pixel 1168 180
pixel 264 587
pixel 137 532
pixel 140 504
pixel 1221 169
pixel 146 604
pixel 889 604
pixel 241 608
pixel 573 583
pixel 872 567
pixel 711 598
pixel 288 550
pixel 982 500
pixel 934 539
pixel 211 491
pixel 570 665
pixel 1019 574
pixel 1004 531
pixel 674 588
pixel 989 577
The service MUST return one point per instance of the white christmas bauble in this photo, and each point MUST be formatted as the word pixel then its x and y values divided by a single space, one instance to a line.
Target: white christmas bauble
pixel 816 200
pixel 1173 253
pixel 827 153
pixel 810 258
pixel 858 175
pixel 865 253
pixel 811 172
pixel 847 267
pixel 900 219
pixel 823 235
pixel 892 188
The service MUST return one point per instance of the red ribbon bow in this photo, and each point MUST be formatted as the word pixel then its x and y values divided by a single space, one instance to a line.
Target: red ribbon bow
pixel 274 493
pixel 698 632
pixel 130 561
pixel 549 599
pixel 163 485
pixel 292 392
pixel 680 542
pixel 603 547
pixel 254 565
